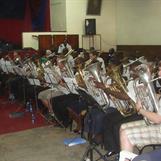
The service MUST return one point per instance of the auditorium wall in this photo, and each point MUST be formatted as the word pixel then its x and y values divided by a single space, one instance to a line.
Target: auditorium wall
pixel 75 24
pixel 138 22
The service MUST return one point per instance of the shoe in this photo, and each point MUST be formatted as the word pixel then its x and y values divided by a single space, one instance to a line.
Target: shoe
pixel 110 153
pixel 48 117
pixel 52 114
pixel 77 131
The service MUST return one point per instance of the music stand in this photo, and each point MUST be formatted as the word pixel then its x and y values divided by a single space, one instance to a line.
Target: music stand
pixel 92 147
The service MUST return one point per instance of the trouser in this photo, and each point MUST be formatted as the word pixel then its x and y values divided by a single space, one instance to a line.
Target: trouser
pixel 151 156
pixel 112 123
pixel 60 105
pixel 3 79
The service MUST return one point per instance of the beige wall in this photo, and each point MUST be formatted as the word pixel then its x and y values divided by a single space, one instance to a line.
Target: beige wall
pixel 138 22
pixel 58 7
pixel 75 17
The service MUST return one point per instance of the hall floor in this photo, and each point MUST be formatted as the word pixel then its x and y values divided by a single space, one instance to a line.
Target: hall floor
pixel 39 144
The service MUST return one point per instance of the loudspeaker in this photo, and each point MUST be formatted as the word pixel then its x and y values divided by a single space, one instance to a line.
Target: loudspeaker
pixel 90 26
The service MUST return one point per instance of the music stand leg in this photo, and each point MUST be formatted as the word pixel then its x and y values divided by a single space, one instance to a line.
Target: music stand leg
pixel 36 101
pixel 92 147
pixel 88 155
pixel 24 90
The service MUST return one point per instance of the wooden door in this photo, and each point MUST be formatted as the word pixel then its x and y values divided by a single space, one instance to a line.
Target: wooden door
pixel 45 42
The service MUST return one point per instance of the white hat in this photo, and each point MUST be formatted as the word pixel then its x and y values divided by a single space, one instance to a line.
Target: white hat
pixel 48 52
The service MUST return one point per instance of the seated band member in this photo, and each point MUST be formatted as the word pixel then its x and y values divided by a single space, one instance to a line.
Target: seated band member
pixel 138 133
pixel 14 83
pixel 94 57
pixel 55 91
pixel 113 118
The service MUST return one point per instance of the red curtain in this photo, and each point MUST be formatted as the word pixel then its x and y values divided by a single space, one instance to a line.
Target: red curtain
pixel 11 29
pixel 47 26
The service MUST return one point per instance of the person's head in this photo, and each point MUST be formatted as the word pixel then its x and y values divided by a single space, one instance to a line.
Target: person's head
pixel 93 55
pixel 79 62
pixel 59 61
pixel 92 49
pixel 48 53
pixel 65 41
pixel 111 51
pixel 133 69
pixel 35 58
pixel 86 55
pixel 16 55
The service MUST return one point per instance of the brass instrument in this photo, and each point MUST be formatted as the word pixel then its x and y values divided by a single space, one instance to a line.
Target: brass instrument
pixel 138 59
pixel 95 70
pixel 144 90
pixel 39 70
pixel 118 87
pixel 80 78
pixel 68 67
pixel 115 74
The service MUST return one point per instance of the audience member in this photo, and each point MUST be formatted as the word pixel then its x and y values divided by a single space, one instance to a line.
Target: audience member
pixel 64 45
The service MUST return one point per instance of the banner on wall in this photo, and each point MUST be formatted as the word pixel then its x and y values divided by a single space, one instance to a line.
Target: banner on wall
pixel 38 14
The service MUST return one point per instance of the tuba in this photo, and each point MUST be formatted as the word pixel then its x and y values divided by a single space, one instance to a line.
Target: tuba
pixel 144 90
pixel 95 70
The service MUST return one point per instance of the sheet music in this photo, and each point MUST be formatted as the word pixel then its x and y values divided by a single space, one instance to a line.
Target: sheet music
pixel 0 64
pixel 18 70
pixel 34 82
pixel 3 66
pixel 34 72
pixel 72 84
pixel 26 70
pixel 49 78
pixel 9 67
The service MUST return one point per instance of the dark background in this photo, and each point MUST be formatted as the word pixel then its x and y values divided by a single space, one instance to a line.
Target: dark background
pixel 12 9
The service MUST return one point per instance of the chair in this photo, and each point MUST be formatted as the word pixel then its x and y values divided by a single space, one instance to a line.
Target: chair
pixel 150 156
pixel 153 146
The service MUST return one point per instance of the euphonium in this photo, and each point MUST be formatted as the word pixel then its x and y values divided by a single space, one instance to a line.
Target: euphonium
pixel 80 78
pixel 115 75
pixel 40 71
pixel 118 87
pixel 95 70
pixel 144 90
pixel 68 67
